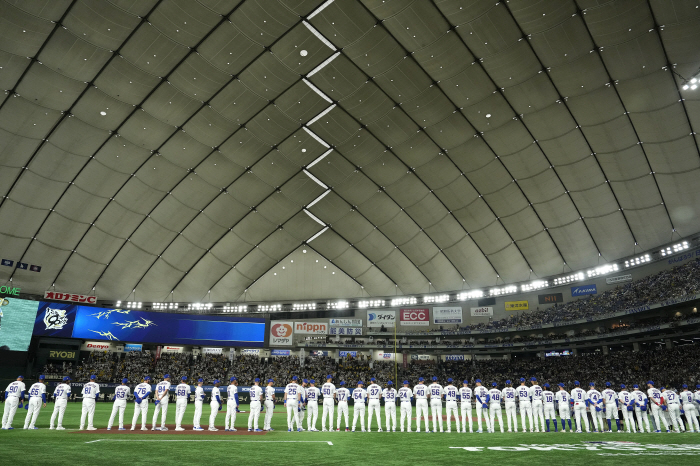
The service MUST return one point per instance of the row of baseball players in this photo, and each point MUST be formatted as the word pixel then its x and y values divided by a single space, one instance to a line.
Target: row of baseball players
pixel 537 405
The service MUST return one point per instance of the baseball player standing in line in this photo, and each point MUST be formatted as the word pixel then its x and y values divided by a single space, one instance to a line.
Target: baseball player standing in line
pixel 269 405
pixel 312 395
pixel 435 392
pixel 696 397
pixel 161 398
pixel 342 395
pixel 37 397
pixel 537 408
pixel 358 397
pixel 215 404
pixel 451 405
pixel 671 401
pixel 291 401
pixel 495 407
pixel 182 394
pixel 302 404
pixel 389 395
pixel 655 398
pixel 686 397
pixel 580 401
pixel 231 405
pixel 119 406
pixel 640 408
pixel 90 392
pixel 611 405
pixel 465 396
pixel 198 404
pixel 563 400
pixel 141 392
pixel 60 399
pixel 405 395
pixel 548 405
pixel 482 406
pixel 509 399
pixel 328 392
pixel 420 392
pixel 627 405
pixel 525 404
pixel 255 396
pixel 595 406
pixel 14 396
pixel 374 392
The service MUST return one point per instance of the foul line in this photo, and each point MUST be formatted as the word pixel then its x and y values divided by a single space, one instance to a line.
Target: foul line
pixel 202 440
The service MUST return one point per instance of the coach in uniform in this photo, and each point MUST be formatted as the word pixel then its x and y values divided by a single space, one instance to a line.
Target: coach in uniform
pixel 14 396
pixel 37 397
pixel 90 392
pixel 60 399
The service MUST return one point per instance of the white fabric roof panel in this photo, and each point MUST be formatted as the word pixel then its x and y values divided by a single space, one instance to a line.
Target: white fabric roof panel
pixel 460 141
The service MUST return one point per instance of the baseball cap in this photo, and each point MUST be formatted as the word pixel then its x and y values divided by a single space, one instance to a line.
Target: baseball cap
pixel 508 381
pixel 465 382
pixel 635 386
pixel 329 376
pixel 546 385
pixel 561 384
pixel 305 381
pixel 200 380
pixel 257 379
pixel 449 380
pixel 20 376
pixel 342 382
pixel 270 380
pixel 663 388
pixel 576 382
pixel 477 381
pixel 232 379
pixel 66 378
pixel 148 378
pixel 312 381
pixel 622 385
pixel 372 379
pixel 93 377
pixel 360 382
pixel 434 378
pixel 493 384
pixel 607 384
pixel 592 384
pixel 390 383
pixel 405 382
pixel 684 386
pixel 420 379
pixel 42 377
pixel 533 379
pixel 522 379
pixel 183 378
pixel 216 381
pixel 295 378
pixel 166 376
pixel 697 386
pixel 125 380
pixel 651 382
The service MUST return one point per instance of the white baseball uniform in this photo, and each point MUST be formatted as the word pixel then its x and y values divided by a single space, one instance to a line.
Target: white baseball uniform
pixel 610 400
pixel 640 400
pixel 231 406
pixel 14 391
pixel 312 396
pixel 214 405
pixel 389 395
pixel 182 394
pixel 626 399
pixel 511 412
pixel 198 404
pixel 142 391
pixel 300 408
pixel 119 406
pixel 374 392
pixel 436 391
pixel 655 404
pixel 495 410
pixel 90 392
pixel 563 400
pixel 343 395
pixel 37 395
pixel 292 392
pixel 256 393
pixel 328 392
pixel 595 400
pixel 451 406
pixel 480 393
pixel 405 395
pixel 525 406
pixel 548 408
pixel 358 396
pixel 579 397
pixel 686 397
pixel 420 392
pixel 269 406
pixel 673 404
pixel 465 395
pixel 60 397
pixel 162 396
pixel 537 407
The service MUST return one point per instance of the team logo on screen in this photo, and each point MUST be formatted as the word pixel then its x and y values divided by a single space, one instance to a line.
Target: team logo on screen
pixel 281 330
pixel 55 319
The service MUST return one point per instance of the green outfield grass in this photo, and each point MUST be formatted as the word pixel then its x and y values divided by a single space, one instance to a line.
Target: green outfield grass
pixel 45 446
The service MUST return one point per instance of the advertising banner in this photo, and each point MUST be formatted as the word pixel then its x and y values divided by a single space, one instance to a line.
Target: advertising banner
pixel 346 322
pixel 584 290
pixel 97 346
pixel 454 357
pixel 420 357
pixel 447 315
pixel 73 321
pixel 415 317
pixel 171 349
pixel 16 323
pixel 311 328
pixel 318 354
pixel 212 351
pixel 281 333
pixel 550 298
pixel 345 331
pixel 70 297
pixel 132 347
pixel 618 279
pixel 251 352
pixel 484 311
pixel 345 354
pixel 384 356
pixel 379 318
pixel 517 305
pixel 281 352
pixel 62 354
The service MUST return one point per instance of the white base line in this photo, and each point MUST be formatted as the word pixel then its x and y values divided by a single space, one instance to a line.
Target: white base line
pixel 202 440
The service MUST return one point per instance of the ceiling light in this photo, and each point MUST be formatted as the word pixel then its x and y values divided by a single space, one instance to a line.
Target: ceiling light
pixel 488 115
pixel 103 113
pixel 303 53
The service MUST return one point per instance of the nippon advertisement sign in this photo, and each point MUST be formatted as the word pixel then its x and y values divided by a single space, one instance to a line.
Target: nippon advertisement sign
pixel 345 331
pixel 97 346
pixel 447 315
pixel 379 318
pixel 70 297
pixel 415 317
pixel 345 354
pixel 454 357
pixel 483 311
pixel 346 322
pixel 311 328
pixel 281 352
pixel 172 349
pixel 281 333
pixel 212 351
pixel 584 290
pixel 132 347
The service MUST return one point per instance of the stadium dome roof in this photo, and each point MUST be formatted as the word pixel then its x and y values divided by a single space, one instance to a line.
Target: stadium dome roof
pixel 312 148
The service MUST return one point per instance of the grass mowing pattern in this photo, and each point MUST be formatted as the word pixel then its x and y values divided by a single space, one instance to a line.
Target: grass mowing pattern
pixel 53 447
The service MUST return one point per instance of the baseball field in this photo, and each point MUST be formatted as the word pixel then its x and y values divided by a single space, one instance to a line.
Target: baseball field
pixel 114 447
